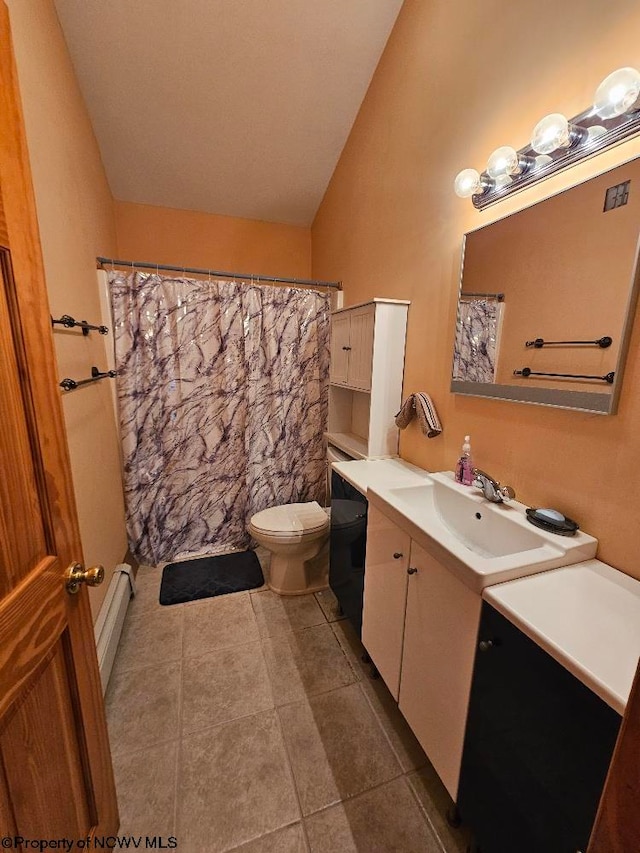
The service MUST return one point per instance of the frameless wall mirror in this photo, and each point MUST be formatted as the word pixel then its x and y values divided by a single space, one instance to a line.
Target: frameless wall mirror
pixel 547 298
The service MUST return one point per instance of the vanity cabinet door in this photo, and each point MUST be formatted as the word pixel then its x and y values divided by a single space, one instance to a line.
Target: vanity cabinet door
pixel 339 370
pixel 537 747
pixel 439 644
pixel 361 348
pixel 385 596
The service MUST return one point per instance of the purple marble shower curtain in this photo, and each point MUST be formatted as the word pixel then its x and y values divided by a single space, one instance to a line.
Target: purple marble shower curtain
pixel 223 398
pixel 475 350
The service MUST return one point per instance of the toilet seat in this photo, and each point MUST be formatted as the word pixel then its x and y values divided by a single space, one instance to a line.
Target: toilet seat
pixel 291 520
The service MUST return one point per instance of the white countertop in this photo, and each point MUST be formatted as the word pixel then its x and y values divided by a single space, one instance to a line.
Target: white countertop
pixel 586 616
pixel 480 542
pixel 364 474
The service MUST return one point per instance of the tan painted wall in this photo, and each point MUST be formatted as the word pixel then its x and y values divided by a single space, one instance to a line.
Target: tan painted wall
pixel 457 80
pixel 185 237
pixel 76 223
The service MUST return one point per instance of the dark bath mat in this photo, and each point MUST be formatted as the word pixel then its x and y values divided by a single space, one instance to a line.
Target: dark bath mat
pixel 209 576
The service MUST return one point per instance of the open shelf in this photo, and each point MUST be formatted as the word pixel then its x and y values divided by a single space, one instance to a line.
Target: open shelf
pixel 354 445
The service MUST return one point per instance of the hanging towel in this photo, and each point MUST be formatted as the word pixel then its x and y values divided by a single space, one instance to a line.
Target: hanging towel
pixel 422 405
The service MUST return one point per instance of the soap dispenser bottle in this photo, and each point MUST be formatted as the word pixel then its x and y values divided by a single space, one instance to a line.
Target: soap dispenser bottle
pixel 464 468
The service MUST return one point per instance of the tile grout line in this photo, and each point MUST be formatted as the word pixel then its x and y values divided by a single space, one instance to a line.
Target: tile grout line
pixel 244 844
pixel 141 749
pixel 384 731
pixel 364 793
pixel 292 778
pixel 285 748
pixel 303 828
pixel 356 668
pixel 310 696
pixel 219 649
pixel 425 814
pixel 290 630
pixel 399 775
pixel 188 734
pixel 176 786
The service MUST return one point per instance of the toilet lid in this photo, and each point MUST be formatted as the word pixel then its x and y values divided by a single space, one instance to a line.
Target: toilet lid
pixel 291 518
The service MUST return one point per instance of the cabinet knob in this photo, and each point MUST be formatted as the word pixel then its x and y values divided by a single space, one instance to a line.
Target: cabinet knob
pixel 411 571
pixel 397 555
pixel 485 645
pixel 346 348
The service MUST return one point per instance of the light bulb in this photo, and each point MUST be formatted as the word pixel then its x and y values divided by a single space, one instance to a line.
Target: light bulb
pixel 617 93
pixel 594 133
pixel 467 183
pixel 542 160
pixel 551 132
pixel 503 161
pixel 503 181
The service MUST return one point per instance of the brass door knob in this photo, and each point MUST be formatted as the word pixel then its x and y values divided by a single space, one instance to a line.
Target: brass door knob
pixel 76 574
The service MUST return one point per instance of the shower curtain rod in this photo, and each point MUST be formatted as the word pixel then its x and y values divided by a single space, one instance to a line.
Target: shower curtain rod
pixel 217 273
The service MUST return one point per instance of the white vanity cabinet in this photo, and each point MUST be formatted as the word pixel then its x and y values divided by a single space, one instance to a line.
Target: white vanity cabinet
pixel 385 595
pixel 419 627
pixel 440 629
pixel 365 378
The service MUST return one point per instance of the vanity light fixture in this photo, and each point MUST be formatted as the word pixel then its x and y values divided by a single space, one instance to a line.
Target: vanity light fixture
pixel 558 142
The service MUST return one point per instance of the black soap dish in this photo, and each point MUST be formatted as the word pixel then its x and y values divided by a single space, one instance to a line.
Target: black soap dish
pixel 552 521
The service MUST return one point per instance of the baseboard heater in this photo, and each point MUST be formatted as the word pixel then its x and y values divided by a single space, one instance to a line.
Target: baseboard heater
pixel 108 626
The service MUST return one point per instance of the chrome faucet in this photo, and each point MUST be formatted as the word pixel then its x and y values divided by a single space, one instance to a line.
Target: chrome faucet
pixel 491 489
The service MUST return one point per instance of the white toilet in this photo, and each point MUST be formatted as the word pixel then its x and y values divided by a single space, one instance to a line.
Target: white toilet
pixel 297 536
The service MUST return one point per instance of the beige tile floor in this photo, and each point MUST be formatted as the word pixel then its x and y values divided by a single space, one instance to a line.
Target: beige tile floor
pixel 248 722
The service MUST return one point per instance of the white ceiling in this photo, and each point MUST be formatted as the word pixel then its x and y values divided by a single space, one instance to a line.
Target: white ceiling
pixel 239 107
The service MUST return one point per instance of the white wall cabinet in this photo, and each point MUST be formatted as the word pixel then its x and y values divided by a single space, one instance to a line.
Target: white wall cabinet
pixel 352 347
pixel 340 348
pixel 367 369
pixel 419 627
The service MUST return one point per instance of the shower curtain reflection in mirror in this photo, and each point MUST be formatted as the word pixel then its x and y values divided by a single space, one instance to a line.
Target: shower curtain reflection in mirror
pixel 222 397
pixel 475 349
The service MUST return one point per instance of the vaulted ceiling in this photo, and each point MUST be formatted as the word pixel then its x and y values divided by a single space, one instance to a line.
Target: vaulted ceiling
pixel 238 107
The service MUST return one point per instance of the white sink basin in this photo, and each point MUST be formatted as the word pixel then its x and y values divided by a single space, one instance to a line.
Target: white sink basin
pixel 481 542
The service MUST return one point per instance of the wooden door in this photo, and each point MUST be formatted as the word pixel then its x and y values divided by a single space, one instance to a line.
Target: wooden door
pixel 440 631
pixel 339 348
pixel 385 595
pixel 55 768
pixel 617 826
pixel 361 347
